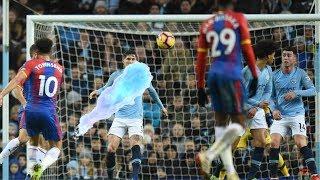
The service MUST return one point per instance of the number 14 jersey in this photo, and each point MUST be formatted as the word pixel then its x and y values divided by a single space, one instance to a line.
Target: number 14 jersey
pixel 226 35
pixel 44 78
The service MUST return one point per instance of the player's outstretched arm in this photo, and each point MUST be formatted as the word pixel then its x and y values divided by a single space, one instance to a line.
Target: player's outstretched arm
pixel 20 77
pixel 18 94
pixel 155 97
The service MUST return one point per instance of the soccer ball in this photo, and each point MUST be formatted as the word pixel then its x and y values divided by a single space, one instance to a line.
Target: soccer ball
pixel 165 40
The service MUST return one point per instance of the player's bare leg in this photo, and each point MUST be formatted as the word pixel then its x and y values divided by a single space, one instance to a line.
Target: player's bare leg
pixel 51 156
pixel 14 144
pixel 135 141
pixel 274 155
pixel 301 142
pixel 113 144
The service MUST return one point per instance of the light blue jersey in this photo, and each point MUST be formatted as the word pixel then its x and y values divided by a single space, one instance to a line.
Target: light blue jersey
pixel 297 81
pixel 264 85
pixel 134 111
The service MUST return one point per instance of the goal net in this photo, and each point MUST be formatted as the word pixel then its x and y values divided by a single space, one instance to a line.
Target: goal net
pixel 90 51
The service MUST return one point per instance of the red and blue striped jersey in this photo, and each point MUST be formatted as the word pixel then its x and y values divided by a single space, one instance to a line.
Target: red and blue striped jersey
pixel 43 80
pixel 227 37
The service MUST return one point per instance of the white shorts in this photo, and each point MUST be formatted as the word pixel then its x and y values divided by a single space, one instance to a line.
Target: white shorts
pixel 119 127
pixel 258 121
pixel 289 126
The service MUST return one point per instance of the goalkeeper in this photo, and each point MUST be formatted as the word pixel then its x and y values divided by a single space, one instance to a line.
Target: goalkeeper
pixel 127 118
pixel 258 122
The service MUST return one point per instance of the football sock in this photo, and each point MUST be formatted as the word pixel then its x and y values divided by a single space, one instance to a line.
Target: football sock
pixel 136 161
pixel 274 161
pixel 309 159
pixel 255 162
pixel 51 156
pixel 111 162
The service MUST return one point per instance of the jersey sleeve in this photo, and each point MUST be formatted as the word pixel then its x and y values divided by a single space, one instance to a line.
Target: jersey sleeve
pixel 155 97
pixel 247 49
pixel 201 58
pixel 109 82
pixel 309 89
pixel 27 67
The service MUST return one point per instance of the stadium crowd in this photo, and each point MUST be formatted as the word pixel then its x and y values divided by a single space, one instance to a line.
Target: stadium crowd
pixel 170 143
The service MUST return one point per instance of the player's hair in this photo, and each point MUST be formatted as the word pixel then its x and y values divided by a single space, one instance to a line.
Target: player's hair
pixel 44 45
pixel 290 48
pixel 128 52
pixel 225 3
pixel 33 49
pixel 264 48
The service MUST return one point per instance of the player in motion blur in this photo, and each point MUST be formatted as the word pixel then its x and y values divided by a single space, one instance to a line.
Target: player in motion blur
pixel 128 118
pixel 23 135
pixel 258 104
pixel 42 78
pixel 290 85
pixel 226 34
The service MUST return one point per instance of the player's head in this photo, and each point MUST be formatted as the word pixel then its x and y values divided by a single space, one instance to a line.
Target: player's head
pixel 33 51
pixel 129 57
pixel 265 50
pixel 225 4
pixel 289 56
pixel 44 46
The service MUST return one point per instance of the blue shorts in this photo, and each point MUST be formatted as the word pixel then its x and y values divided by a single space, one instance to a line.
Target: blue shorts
pixel 227 95
pixel 45 122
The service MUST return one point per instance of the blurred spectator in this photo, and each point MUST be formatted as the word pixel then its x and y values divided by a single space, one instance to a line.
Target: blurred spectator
pixel 148 133
pixel 185 7
pixel 100 8
pixel 13 130
pixel 188 165
pixel 86 6
pixel 168 6
pixel 172 163
pixel 86 167
pixel 14 114
pixel 304 57
pixel 16 27
pixel 248 6
pixel 133 7
pixel 74 101
pixel 155 10
pixel 22 158
pixel 198 7
pixel 73 170
pixel 286 6
pixel 12 74
pixel 178 110
pixel 281 40
pixel 149 166
pixel 178 137
pixel 98 152
pixel 14 171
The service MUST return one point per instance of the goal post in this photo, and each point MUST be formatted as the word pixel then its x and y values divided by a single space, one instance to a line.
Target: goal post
pixel 121 25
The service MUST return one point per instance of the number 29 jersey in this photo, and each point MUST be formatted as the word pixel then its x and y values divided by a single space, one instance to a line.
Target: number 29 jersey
pixel 44 78
pixel 224 34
